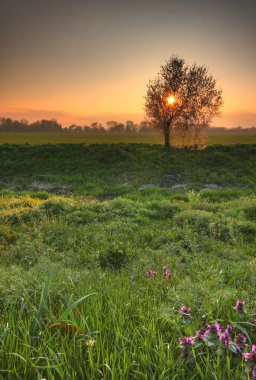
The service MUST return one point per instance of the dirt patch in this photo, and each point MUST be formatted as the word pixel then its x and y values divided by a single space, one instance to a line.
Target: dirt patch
pixel 212 186
pixel 50 187
pixel 146 185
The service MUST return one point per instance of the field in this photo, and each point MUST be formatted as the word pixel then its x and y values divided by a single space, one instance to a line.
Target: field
pixel 84 228
pixel 114 138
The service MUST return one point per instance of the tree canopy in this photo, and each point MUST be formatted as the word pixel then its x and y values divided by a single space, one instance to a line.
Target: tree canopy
pixel 182 95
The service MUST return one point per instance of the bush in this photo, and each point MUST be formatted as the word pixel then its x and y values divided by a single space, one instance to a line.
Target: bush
pixel 221 195
pixel 40 195
pixel 247 230
pixel 200 220
pixel 113 257
pixel 81 217
pixel 54 208
pixel 250 212
pixel 7 234
pixel 161 209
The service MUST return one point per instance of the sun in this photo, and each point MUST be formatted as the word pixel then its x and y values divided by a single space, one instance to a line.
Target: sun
pixel 170 100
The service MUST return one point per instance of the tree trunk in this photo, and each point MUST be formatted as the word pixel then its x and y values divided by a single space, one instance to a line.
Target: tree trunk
pixel 167 136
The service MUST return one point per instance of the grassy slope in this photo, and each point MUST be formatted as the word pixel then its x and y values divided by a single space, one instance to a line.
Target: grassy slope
pixel 113 138
pixel 100 236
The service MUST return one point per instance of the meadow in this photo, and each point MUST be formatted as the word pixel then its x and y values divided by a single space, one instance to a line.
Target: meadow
pixel 115 138
pixel 104 248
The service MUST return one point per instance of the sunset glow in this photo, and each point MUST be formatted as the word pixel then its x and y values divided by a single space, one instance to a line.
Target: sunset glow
pixel 91 65
pixel 170 100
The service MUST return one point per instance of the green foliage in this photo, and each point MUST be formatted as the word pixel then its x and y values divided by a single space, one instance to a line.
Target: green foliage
pixel 250 212
pixel 7 234
pixel 59 246
pixel 114 257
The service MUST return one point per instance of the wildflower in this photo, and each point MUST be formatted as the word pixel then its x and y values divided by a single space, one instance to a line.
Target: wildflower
pixel 90 342
pixel 225 338
pixel 240 342
pixel 166 273
pixel 184 310
pixel 250 356
pixel 184 313
pixel 239 306
pixel 212 329
pixel 200 334
pixel 151 273
pixel 250 359
pixel 229 329
pixel 186 342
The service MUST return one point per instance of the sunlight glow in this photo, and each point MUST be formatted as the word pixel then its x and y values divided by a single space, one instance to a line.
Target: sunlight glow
pixel 170 100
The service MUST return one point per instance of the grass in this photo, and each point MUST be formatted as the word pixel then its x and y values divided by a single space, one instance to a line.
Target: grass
pixel 80 226
pixel 114 138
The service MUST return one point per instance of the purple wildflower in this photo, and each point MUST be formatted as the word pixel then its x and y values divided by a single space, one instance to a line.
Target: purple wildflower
pixel 239 306
pixel 240 342
pixel 186 342
pixel 229 329
pixel 151 273
pixel 166 273
pixel 212 329
pixel 225 338
pixel 184 311
pixel 200 334
pixel 250 356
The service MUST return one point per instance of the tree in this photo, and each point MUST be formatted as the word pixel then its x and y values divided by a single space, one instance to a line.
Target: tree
pixel 130 126
pixel 182 95
pixel 119 127
pixel 145 127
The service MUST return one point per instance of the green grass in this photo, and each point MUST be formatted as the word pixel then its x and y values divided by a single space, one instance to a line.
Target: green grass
pixel 80 226
pixel 113 138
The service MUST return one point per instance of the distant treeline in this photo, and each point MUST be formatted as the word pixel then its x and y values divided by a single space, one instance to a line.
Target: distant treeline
pixel 9 125
pixel 237 130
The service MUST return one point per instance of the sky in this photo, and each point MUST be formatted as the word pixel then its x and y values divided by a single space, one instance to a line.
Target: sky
pixel 82 61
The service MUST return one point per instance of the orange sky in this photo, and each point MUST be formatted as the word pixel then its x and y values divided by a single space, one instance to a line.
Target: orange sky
pixel 82 63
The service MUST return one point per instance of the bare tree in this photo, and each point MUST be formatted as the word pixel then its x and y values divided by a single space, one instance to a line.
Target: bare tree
pixel 182 95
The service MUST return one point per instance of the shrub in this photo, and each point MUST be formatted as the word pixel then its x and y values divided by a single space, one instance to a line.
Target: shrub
pixel 198 219
pixel 250 212
pixel 7 234
pixel 246 229
pixel 54 208
pixel 123 207
pixel 162 209
pixel 221 195
pixel 79 217
pixel 114 257
pixel 40 195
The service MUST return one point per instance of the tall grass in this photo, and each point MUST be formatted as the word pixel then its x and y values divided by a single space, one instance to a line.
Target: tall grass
pixel 75 300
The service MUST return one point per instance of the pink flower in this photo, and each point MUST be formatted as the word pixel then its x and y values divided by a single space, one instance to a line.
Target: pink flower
pixel 214 328
pixel 186 342
pixel 200 333
pixel 250 356
pixel 240 342
pixel 225 338
pixel 229 329
pixel 151 273
pixel 239 306
pixel 166 273
pixel 184 311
